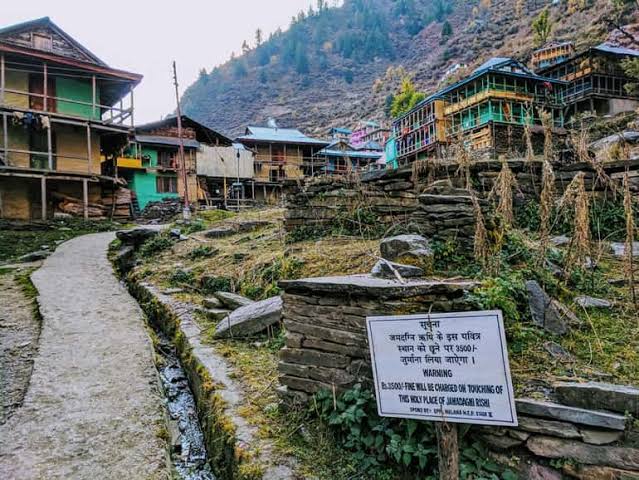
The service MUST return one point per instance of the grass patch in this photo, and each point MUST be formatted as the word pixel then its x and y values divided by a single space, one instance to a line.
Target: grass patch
pixel 16 242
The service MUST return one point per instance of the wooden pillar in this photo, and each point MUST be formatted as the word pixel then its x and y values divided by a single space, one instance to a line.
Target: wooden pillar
pixel 85 198
pixel 45 88
pixel 2 79
pixel 253 190
pixel 50 145
pixel 131 94
pixel 89 149
pixel 5 139
pixel 447 450
pixel 93 96
pixel 43 196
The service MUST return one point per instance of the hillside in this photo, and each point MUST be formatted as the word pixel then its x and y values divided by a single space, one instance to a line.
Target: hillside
pixel 334 66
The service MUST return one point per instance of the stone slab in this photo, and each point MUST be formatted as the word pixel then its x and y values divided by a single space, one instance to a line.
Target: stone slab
pixel 593 418
pixel 618 398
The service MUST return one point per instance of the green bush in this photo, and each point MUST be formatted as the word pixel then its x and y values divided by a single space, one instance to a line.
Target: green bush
pixel 215 284
pixel 203 251
pixel 182 277
pixel 194 226
pixel 155 245
pixel 395 448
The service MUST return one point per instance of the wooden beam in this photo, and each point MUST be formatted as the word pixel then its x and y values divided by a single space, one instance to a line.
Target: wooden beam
pixel 50 145
pixel 93 95
pixel 131 94
pixel 45 89
pixel 85 198
pixel 43 196
pixel 89 149
pixel 5 134
pixel 2 78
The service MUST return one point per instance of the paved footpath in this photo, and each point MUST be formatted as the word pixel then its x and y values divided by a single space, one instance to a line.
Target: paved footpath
pixel 92 410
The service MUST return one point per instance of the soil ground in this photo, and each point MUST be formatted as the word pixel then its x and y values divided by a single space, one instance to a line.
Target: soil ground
pixel 92 409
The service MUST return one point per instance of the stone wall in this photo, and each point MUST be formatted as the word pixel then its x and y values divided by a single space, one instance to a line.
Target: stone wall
pixel 566 435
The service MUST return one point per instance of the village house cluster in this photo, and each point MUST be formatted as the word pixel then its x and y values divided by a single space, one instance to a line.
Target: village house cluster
pixel 69 144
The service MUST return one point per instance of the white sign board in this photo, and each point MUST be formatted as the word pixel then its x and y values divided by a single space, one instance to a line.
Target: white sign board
pixel 449 367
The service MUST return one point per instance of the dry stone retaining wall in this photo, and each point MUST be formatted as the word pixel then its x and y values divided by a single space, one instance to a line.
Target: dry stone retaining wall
pixel 327 348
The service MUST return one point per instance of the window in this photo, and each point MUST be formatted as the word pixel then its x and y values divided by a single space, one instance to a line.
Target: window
pixel 38 143
pixel 166 184
pixel 42 42
pixel 167 159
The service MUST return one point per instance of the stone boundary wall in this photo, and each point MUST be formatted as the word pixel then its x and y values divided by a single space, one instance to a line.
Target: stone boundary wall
pixel 327 348
pixel 393 195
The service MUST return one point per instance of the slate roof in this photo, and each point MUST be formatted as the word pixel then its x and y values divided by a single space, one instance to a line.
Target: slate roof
pixel 606 48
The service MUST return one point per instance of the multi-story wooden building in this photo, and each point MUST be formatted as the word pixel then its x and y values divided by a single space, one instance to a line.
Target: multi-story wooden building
pixel 151 163
pixel 282 156
pixel 551 54
pixel 341 158
pixel 596 81
pixel 62 110
pixel 487 111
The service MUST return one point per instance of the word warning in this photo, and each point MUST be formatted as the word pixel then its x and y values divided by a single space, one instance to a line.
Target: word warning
pixel 449 367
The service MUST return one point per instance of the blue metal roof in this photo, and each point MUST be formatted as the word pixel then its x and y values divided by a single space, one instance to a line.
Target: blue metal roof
pixel 278 135
pixel 345 131
pixel 492 65
pixel 172 141
pixel 349 153
pixel 606 48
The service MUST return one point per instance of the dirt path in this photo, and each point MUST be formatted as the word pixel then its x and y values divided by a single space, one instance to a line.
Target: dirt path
pixel 92 409
pixel 19 331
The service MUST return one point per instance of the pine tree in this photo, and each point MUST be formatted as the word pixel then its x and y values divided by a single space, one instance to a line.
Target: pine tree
pixel 245 47
pixel 301 60
pixel 258 37
pixel 447 29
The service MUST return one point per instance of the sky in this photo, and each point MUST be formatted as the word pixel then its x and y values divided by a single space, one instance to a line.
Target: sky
pixel 145 36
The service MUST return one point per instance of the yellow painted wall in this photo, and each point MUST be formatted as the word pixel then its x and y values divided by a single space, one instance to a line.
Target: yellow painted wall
pixel 18 140
pixel 72 141
pixel 15 198
pixel 17 81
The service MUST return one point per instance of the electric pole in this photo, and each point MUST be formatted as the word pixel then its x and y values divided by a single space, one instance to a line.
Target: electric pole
pixel 187 208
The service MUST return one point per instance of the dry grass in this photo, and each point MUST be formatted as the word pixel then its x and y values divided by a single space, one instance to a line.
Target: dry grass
pixel 503 190
pixel 629 267
pixel 576 196
pixel 480 239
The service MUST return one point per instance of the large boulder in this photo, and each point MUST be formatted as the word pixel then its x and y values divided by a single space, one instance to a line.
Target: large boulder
pixel 387 269
pixel 412 250
pixel 548 313
pixel 618 398
pixel 137 236
pixel 251 319
pixel 232 300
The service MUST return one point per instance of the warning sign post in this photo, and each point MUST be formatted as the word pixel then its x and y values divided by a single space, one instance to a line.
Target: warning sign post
pixel 444 367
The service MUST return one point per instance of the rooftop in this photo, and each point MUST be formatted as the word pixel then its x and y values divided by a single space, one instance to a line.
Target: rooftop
pixel 278 135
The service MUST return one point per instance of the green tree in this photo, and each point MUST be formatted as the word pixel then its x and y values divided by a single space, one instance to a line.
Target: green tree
pixel 447 29
pixel 258 37
pixel 239 68
pixel 542 27
pixel 631 68
pixel 262 76
pixel 406 98
pixel 301 60
pixel 245 47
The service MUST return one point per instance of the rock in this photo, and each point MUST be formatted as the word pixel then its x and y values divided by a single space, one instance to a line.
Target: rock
pixel 220 232
pixel 214 314
pixel 212 302
pixel 548 427
pixel 560 240
pixel 34 256
pixel 392 248
pixel 541 472
pixel 125 258
pixel 232 300
pixel 619 249
pixel 557 351
pixel 137 236
pixel 581 416
pixel 600 437
pixel 175 233
pixel 501 442
pixel 250 319
pixel 618 457
pixel 591 302
pixel 519 435
pixel 172 291
pixel 592 472
pixel 387 269
pixel 546 312
pixel 595 395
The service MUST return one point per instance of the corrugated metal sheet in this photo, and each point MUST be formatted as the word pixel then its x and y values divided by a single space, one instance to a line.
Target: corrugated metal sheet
pixel 222 162
pixel 173 141
pixel 279 135
pixel 604 47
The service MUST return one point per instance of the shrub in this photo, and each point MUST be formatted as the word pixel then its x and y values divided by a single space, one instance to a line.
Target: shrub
pixel 155 245
pixel 194 226
pixel 215 284
pixel 181 277
pixel 203 251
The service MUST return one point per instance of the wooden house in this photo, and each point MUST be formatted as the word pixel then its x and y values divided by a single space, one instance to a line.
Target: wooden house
pixel 151 163
pixel 63 109
pixel 551 54
pixel 282 157
pixel 340 133
pixel 368 132
pixel 487 111
pixel 340 158
pixel 596 81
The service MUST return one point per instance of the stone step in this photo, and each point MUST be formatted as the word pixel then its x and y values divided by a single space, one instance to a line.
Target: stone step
pixel 618 398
